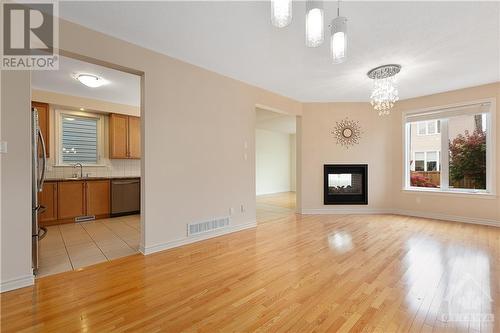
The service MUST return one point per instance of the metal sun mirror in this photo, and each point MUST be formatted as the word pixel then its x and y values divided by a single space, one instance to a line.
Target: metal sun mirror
pixel 347 132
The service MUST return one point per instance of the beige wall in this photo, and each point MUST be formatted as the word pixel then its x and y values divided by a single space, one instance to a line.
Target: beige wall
pixel 478 208
pixel 273 162
pixel 15 181
pixel 319 147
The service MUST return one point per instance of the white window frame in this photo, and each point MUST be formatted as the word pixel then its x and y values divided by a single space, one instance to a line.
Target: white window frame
pixel 59 114
pixel 446 111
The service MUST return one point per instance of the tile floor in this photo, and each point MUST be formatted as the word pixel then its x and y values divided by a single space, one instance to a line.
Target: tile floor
pixel 71 246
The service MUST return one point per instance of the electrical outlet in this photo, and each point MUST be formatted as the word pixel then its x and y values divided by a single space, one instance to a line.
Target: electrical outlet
pixel 242 208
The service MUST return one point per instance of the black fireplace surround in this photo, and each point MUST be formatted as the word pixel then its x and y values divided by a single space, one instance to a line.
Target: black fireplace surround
pixel 345 184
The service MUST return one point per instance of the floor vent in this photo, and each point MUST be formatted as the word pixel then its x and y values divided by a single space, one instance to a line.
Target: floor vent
pixel 84 218
pixel 207 226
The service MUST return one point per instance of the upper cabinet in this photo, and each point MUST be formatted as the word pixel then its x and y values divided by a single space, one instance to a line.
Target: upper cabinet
pixel 124 136
pixel 43 122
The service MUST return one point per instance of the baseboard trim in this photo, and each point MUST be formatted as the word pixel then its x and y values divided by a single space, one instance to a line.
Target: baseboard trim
pixel 345 211
pixel 194 239
pixel 17 283
pixel 428 215
pixel 446 217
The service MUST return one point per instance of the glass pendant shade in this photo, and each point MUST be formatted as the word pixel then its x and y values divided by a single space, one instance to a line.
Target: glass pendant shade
pixel 281 13
pixel 315 26
pixel 339 39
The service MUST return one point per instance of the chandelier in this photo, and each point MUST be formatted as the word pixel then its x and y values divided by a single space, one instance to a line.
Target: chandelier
pixel 385 92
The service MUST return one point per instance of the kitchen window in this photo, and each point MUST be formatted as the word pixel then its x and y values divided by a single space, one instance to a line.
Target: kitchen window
pixel 79 138
pixel 450 149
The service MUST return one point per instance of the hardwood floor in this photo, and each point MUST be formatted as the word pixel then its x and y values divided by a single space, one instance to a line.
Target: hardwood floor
pixel 382 273
pixel 275 206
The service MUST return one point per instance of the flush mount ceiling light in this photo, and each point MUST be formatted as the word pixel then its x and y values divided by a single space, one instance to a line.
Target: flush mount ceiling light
pixel 315 26
pixel 281 13
pixel 338 43
pixel 385 92
pixel 92 81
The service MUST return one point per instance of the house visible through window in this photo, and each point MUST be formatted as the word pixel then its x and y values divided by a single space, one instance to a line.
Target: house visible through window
pixel 79 139
pixel 450 149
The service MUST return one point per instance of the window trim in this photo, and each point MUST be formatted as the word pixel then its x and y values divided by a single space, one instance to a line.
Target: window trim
pixel 490 151
pixel 59 114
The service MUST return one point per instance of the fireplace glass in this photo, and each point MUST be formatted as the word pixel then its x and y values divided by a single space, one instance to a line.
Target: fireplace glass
pixel 345 184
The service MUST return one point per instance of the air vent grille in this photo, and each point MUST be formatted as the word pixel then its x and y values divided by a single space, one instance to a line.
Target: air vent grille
pixel 207 226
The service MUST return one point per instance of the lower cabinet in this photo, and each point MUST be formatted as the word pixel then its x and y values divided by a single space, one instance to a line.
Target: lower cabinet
pixel 70 200
pixel 48 199
pixel 98 198
pixel 66 200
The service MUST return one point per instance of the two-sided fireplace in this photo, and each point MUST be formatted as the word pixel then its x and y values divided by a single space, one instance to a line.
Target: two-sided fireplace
pixel 345 184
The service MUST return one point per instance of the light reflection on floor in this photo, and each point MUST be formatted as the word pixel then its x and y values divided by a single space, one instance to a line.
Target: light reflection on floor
pixel 459 274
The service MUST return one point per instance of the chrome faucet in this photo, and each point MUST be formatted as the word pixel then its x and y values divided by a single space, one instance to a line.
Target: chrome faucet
pixel 81 168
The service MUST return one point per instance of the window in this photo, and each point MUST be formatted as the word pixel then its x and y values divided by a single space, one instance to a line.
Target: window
pixel 428 127
pixel 79 137
pixel 450 149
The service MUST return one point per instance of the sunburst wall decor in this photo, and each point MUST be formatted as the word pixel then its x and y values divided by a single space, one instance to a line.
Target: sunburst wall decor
pixel 347 132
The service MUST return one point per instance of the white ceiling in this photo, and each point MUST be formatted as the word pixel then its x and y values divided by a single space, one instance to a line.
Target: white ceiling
pixel 123 88
pixel 274 121
pixel 441 45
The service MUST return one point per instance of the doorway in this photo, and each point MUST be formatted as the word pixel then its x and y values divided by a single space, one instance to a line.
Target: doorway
pixel 275 164
pixel 89 117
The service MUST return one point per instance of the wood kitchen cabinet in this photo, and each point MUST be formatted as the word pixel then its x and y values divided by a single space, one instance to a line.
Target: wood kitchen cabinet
pixel 70 200
pixel 124 136
pixel 97 194
pixel 134 137
pixel 48 199
pixel 43 122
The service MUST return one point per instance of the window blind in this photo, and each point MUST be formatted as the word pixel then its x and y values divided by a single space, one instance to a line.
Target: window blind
pixel 79 140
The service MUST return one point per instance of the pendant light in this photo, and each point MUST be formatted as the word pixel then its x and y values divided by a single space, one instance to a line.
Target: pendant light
pixel 315 26
pixel 338 42
pixel 281 13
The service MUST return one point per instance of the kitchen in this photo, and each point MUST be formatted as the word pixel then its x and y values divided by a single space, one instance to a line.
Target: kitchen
pixel 86 177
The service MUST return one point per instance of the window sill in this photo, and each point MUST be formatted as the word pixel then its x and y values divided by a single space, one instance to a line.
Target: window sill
pixel 463 194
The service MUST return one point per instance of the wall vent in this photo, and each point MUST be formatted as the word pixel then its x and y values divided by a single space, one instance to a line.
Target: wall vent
pixel 207 226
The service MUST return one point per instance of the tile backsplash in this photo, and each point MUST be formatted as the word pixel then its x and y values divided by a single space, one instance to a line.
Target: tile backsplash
pixel 114 168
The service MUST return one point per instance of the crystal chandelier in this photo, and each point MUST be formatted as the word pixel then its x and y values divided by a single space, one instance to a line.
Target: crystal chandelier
pixel 281 13
pixel 385 91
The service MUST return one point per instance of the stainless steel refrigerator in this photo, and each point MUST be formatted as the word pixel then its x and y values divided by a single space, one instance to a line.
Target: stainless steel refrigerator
pixel 39 161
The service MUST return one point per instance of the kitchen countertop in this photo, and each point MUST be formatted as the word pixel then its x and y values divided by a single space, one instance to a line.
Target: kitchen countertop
pixel 89 178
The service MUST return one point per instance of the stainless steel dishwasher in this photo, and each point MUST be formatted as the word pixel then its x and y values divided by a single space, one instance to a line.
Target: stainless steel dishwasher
pixel 125 196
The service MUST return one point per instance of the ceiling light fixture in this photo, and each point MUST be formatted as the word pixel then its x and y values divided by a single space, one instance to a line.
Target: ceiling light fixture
pixel 90 80
pixel 385 92
pixel 338 43
pixel 281 13
pixel 315 26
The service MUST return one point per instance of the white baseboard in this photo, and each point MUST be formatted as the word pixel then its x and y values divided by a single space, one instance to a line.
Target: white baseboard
pixel 193 239
pixel 345 211
pixel 429 215
pixel 446 217
pixel 17 283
